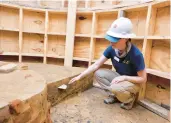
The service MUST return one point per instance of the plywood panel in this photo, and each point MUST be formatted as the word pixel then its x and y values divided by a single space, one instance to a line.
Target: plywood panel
pixel 162 21
pixel 55 61
pixel 138 19
pixel 9 41
pixel 81 47
pixel 33 21
pixel 57 22
pixel 83 23
pixel 9 18
pixel 158 90
pixel 104 21
pixel 160 55
pixel 100 46
pixel 56 45
pixel 138 44
pixel 33 43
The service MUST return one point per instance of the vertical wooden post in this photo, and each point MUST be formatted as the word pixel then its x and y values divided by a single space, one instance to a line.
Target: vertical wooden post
pixel 121 13
pixel 87 4
pixel 20 33
pixel 71 19
pixel 46 36
pixel 63 3
pixel 91 54
pixel 147 44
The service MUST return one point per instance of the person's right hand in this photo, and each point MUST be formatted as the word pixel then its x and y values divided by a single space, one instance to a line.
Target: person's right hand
pixel 74 79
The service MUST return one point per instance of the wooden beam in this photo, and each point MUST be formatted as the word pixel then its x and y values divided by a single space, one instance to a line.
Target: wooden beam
pixel 152 21
pixel 147 44
pixel 20 33
pixel 63 4
pixel 165 75
pixel 91 54
pixel 121 13
pixel 155 108
pixel 87 4
pixel 46 36
pixel 71 19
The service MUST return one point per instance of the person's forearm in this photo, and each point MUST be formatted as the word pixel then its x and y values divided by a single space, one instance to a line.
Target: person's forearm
pixel 135 79
pixel 91 69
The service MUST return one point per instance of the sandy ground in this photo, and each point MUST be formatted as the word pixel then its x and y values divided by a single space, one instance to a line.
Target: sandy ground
pixel 88 107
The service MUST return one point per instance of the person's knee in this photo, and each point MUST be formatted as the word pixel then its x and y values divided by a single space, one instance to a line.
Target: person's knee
pixel 116 88
pixel 99 73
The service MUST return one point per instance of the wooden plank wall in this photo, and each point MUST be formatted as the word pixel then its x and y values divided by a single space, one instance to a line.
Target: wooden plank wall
pixel 76 38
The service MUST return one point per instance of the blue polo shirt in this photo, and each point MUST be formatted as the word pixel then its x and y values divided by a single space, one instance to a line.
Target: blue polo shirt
pixel 130 64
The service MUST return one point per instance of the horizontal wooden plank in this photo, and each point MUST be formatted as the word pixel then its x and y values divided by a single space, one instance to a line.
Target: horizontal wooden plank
pixel 165 75
pixel 155 108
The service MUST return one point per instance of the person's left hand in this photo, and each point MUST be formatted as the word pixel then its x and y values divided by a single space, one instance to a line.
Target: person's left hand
pixel 1 52
pixel 118 79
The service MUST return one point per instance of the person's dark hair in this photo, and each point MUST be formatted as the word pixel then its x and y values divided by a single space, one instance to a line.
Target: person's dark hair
pixel 129 40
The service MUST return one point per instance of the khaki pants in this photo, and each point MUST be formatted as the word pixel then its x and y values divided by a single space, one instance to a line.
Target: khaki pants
pixel 124 91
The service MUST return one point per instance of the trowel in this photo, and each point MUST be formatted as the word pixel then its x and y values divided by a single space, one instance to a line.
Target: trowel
pixel 63 87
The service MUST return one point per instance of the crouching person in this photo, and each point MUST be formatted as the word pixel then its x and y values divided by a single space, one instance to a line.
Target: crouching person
pixel 128 61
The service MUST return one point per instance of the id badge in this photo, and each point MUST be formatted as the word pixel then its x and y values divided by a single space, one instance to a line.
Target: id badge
pixel 116 58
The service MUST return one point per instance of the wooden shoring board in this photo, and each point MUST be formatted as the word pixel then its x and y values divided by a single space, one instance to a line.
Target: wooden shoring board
pixel 57 22
pixel 56 45
pixel 155 108
pixel 83 23
pixel 71 20
pixel 9 18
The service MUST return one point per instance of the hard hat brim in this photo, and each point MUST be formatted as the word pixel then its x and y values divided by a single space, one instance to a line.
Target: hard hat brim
pixel 119 35
pixel 112 39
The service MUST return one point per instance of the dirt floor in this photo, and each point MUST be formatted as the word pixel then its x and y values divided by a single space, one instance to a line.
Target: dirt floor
pixel 88 107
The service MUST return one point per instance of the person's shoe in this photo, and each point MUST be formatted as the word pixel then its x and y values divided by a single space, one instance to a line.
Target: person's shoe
pixel 129 105
pixel 110 100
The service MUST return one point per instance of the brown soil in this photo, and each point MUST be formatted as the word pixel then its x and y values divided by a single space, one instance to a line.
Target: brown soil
pixel 88 107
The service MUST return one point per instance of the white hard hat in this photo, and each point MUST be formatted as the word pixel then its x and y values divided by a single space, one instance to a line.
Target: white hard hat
pixel 120 28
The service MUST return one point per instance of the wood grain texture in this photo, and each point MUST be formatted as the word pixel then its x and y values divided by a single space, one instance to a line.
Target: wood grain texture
pixel 9 41
pixel 83 23
pixel 160 55
pixel 9 18
pixel 158 90
pixel 100 46
pixel 138 19
pixel 57 22
pixel 81 47
pixel 33 43
pixel 155 108
pixel 56 45
pixel 71 21
pixel 104 21
pixel 138 44
pixel 34 21
pixel 162 21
